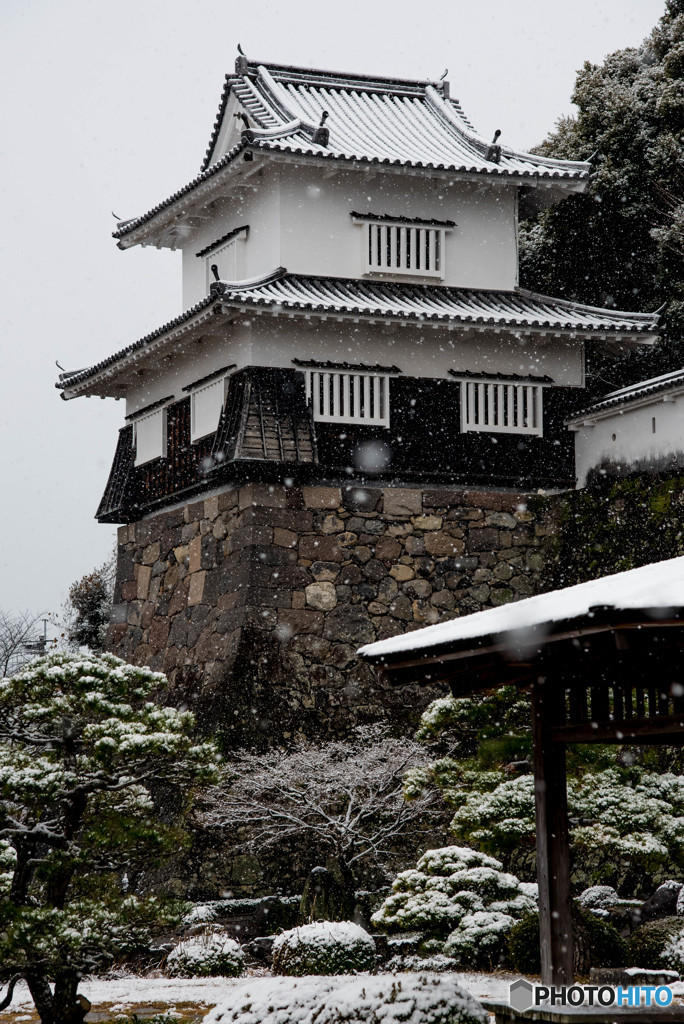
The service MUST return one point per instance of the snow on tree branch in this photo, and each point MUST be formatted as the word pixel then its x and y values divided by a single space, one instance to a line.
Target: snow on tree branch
pixel 344 797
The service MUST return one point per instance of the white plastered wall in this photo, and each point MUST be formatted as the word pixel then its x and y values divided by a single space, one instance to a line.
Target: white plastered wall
pixel 299 218
pixel 647 436
pixel 263 340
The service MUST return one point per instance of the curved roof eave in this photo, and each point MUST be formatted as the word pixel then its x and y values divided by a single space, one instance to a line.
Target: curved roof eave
pixel 416 304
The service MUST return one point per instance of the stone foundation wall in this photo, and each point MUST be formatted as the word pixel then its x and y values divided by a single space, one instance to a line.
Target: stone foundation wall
pixel 254 601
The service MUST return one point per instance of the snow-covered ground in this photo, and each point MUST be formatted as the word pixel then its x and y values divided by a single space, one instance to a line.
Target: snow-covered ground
pixel 129 992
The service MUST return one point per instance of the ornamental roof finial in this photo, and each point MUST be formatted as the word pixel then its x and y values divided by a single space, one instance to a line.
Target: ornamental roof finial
pixel 241 62
pixel 493 153
pixel 322 135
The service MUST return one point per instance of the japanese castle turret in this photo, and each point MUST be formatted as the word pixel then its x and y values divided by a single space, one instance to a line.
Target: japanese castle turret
pixel 336 441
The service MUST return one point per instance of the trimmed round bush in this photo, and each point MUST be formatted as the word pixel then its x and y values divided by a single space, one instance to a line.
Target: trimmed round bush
pixel 598 897
pixel 479 939
pixel 658 945
pixel 462 900
pixel 210 954
pixel 379 999
pixel 324 947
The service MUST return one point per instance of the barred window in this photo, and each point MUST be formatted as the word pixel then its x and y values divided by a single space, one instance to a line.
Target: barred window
pixel 348 397
pixel 499 407
pixel 408 247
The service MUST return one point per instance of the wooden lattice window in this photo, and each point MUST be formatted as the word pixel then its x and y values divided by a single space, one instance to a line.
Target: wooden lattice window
pixel 404 247
pixel 341 397
pixel 501 407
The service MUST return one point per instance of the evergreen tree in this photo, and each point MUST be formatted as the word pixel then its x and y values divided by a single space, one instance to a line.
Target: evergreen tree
pixel 87 610
pixel 621 244
pixel 94 784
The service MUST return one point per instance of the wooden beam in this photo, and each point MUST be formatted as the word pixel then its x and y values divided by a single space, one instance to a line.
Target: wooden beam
pixel 553 843
pixel 657 729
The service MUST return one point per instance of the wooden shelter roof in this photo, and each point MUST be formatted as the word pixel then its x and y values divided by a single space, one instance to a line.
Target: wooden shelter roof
pixel 508 644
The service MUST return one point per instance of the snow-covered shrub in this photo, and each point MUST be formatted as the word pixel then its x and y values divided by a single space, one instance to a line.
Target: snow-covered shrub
pixel 598 897
pixel 418 998
pixel 479 938
pixel 680 903
pixel 636 830
pixel 437 964
pixel 324 947
pixel 658 944
pixel 212 953
pixel 459 893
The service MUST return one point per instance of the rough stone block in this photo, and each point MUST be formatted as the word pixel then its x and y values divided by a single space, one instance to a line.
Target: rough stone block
pixel 211 508
pixel 442 498
pixel 194 554
pixel 144 577
pixel 325 571
pixel 299 520
pixel 227 500
pixel 159 632
pixel 196 588
pixel 285 538
pixel 360 499
pixel 321 548
pixel 402 573
pixel 350 624
pixel 321 497
pixel 427 522
pixel 388 548
pixel 300 620
pixel 504 519
pixel 397 501
pixel 485 539
pixel 321 596
pixel 332 524
pixel 262 494
pixel 442 545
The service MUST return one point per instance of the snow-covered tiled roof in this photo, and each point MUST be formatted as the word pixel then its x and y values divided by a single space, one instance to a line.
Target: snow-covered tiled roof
pixel 639 392
pixel 370 120
pixel 347 297
pixel 69 379
pixel 655 590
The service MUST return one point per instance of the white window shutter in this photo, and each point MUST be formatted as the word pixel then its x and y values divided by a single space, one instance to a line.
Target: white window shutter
pixel 206 404
pixel 150 436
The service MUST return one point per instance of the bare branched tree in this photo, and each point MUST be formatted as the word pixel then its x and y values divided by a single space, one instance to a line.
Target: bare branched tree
pixel 21 640
pixel 344 799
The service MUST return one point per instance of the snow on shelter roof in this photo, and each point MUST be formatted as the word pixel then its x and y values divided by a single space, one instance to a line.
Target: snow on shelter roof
pixel 656 591
pixel 369 119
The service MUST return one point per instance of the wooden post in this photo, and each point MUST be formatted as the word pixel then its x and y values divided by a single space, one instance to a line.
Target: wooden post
pixel 553 854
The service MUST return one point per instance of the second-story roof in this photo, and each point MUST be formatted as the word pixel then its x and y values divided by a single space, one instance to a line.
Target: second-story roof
pixel 369 120
pixel 343 298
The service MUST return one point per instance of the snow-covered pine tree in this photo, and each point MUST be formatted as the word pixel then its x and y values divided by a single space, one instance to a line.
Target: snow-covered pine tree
pixel 622 243
pixel 95 780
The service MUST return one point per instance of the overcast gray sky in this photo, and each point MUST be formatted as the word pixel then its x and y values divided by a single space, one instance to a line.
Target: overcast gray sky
pixel 108 106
